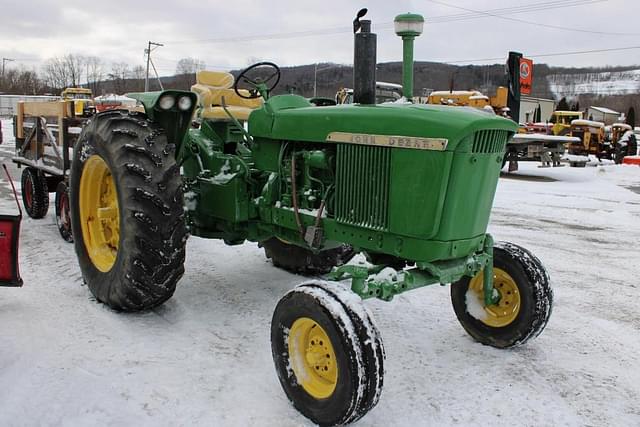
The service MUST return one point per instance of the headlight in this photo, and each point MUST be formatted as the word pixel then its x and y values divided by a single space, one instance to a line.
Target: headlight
pixel 184 103
pixel 167 102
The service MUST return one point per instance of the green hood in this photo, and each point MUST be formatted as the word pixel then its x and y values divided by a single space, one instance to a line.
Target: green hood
pixel 290 117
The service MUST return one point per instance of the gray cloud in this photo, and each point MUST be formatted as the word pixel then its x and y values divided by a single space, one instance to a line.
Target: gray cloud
pixel 33 30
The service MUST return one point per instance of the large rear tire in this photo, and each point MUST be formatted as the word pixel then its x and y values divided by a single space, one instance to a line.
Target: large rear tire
pixel 328 353
pixel 526 299
pixel 303 261
pixel 35 194
pixel 127 211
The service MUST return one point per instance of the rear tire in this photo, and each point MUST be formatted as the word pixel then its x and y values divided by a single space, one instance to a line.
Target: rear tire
pixel 134 255
pixel 63 212
pixel 520 274
pixel 354 345
pixel 298 260
pixel 35 194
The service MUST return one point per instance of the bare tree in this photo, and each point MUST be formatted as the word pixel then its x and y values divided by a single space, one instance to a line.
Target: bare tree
pixel 119 74
pixel 186 72
pixel 65 71
pixel 137 75
pixel 189 66
pixel 22 82
pixel 138 72
pixel 55 73
pixel 75 66
pixel 95 73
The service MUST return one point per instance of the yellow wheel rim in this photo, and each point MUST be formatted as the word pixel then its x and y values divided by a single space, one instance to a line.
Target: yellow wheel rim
pixel 312 358
pixel 99 213
pixel 506 310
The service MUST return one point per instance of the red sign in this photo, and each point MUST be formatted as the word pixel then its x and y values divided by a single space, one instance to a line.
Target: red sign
pixel 526 76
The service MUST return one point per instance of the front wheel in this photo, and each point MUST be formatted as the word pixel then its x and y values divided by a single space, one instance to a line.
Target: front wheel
pixel 525 303
pixel 127 211
pixel 328 353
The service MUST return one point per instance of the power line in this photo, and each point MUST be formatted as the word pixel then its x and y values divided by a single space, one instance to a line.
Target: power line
pixel 543 55
pixel 466 61
pixel 472 14
pixel 513 10
pixel 523 21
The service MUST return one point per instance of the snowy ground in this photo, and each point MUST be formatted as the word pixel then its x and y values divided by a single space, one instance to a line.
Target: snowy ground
pixel 204 357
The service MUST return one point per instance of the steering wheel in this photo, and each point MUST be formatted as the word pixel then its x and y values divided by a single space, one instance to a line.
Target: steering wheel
pixel 260 86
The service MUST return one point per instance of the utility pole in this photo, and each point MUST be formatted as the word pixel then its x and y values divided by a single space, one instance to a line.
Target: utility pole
pixel 148 51
pixel 315 79
pixel 4 60
pixel 315 76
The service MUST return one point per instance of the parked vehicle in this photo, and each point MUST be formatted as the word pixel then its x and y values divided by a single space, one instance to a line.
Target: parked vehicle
pixel 311 185
pixel 82 98
pixel 561 121
pixel 591 135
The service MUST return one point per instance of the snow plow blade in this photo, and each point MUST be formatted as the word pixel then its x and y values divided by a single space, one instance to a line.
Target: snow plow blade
pixel 9 236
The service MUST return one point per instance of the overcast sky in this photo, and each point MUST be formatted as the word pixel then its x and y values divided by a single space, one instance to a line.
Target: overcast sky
pixel 233 34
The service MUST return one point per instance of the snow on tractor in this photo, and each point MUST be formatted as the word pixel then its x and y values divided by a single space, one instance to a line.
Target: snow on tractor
pixel 411 186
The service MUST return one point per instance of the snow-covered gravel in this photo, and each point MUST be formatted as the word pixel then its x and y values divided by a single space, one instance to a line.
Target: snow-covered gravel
pixel 204 357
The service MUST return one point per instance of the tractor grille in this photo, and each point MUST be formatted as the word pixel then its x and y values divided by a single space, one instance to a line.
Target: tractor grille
pixel 489 141
pixel 362 186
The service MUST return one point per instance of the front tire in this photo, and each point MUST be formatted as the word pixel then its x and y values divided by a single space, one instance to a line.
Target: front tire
pixel 298 260
pixel 127 211
pixel 35 194
pixel 328 353
pixel 526 299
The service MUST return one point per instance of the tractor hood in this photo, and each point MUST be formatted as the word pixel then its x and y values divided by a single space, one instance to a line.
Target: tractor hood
pixel 291 117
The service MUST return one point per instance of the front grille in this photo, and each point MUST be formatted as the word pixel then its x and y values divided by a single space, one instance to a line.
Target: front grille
pixel 362 186
pixel 489 141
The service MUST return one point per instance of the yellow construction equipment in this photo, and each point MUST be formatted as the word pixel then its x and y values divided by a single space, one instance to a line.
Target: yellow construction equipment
pixel 562 121
pixel 591 136
pixel 82 100
pixel 471 98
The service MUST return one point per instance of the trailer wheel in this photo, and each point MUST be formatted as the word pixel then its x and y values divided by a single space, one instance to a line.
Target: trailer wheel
pixel 298 260
pixel 35 194
pixel 127 211
pixel 328 353
pixel 63 216
pixel 525 304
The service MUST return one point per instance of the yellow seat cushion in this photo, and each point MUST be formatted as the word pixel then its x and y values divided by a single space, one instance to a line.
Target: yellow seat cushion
pixel 214 89
pixel 217 79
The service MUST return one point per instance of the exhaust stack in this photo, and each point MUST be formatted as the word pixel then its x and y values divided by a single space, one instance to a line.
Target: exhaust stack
pixel 364 61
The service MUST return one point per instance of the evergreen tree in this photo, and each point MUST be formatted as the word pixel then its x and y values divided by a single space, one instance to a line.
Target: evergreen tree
pixel 563 105
pixel 631 116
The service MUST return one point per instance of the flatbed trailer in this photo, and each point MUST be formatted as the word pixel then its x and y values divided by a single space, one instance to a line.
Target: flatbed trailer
pixel 533 147
pixel 45 133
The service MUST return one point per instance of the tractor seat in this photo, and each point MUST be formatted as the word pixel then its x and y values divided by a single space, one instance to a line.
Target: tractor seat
pixel 211 87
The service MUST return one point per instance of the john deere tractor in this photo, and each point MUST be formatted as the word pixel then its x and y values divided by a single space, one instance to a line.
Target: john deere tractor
pixel 410 186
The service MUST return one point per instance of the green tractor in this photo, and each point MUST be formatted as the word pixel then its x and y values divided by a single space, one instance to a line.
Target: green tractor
pixel 410 186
